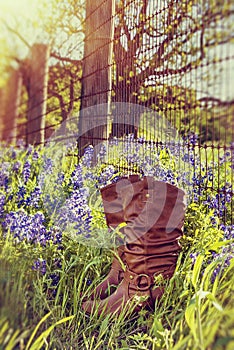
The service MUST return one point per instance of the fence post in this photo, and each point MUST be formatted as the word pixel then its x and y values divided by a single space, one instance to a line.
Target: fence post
pixel 37 93
pixel 10 101
pixel 96 78
pixel 2 111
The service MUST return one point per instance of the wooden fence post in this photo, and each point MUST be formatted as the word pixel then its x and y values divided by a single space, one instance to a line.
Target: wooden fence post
pixel 96 79
pixel 37 93
pixel 2 111
pixel 10 101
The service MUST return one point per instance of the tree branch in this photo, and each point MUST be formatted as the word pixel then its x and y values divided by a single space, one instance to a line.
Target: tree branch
pixel 65 59
pixel 14 31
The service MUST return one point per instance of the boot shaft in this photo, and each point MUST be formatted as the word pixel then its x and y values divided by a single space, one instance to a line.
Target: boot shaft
pixel 112 201
pixel 154 213
pixel 153 207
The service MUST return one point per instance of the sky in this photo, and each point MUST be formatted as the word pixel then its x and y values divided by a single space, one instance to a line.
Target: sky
pixel 22 16
pixel 26 8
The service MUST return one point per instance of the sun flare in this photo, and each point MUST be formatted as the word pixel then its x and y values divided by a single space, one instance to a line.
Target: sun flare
pixel 18 9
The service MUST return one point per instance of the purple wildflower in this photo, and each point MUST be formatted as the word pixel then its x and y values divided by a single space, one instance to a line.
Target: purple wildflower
pixel 106 175
pixel 26 171
pixel 16 166
pixel 29 150
pixel 87 158
pixel 2 203
pixel 4 180
pixel 40 266
pixel 102 153
pixel 77 177
pixel 76 213
pixel 27 227
pixel 35 156
pixel 47 165
pixel 88 282
pixel 34 199
pixel 60 178
pixel 193 256
pixel 20 196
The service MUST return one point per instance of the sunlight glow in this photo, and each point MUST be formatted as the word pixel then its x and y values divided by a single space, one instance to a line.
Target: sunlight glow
pixel 26 8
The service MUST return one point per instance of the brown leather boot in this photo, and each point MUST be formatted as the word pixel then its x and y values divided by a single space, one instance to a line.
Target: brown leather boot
pixel 154 213
pixel 113 209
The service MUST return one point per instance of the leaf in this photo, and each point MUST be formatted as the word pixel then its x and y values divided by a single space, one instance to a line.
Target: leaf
pixel 36 329
pixel 196 270
pixel 217 245
pixel 39 342
pixel 205 294
pixel 190 316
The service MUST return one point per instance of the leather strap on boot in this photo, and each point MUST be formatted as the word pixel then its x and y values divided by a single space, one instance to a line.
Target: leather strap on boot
pixel 143 282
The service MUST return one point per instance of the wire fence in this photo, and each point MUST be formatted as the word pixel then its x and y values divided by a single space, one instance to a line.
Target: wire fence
pixel 174 58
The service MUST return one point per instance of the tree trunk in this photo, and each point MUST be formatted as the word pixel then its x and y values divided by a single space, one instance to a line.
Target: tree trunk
pixel 96 78
pixel 10 101
pixel 37 93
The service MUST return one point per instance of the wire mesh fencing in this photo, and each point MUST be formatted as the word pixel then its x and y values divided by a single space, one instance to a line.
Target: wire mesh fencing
pixel 171 59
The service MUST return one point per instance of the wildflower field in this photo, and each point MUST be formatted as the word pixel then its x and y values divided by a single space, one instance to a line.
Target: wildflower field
pixel 55 248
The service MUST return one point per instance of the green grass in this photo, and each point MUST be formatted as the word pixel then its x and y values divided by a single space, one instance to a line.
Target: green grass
pixel 194 313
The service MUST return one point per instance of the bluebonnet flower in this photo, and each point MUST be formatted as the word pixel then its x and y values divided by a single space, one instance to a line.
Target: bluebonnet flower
pixel 223 262
pixel 102 153
pixel 77 177
pixel 60 178
pixel 54 281
pixel 219 201
pixel 55 278
pixel 29 150
pixel 20 196
pixel 34 199
pixel 27 227
pixel 228 156
pixel 87 158
pixel 193 256
pixel 106 175
pixel 226 253
pixel 228 231
pixel 76 214
pixel 89 175
pixel 88 282
pixel 13 153
pixel 141 140
pixel 40 266
pixel 35 156
pixel 47 169
pixel 129 143
pixel 57 263
pixel 191 138
pixel 26 171
pixel 4 180
pixel 2 203
pixel 114 141
pixel 189 158
pixel 56 236
pixel 48 164
pixel 132 158
pixel 16 166
pixel 214 221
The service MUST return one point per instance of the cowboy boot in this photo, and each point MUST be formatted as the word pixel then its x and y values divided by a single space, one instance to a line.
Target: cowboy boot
pixel 154 214
pixel 114 217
